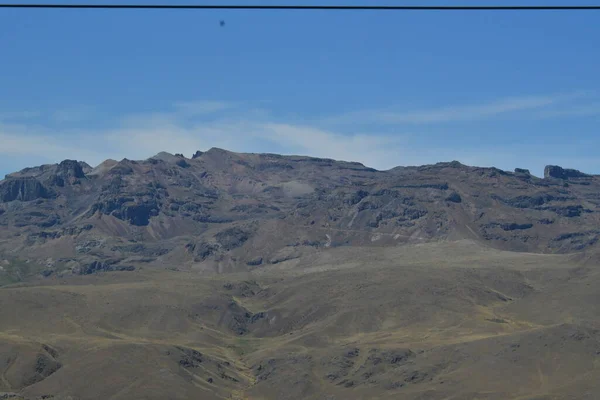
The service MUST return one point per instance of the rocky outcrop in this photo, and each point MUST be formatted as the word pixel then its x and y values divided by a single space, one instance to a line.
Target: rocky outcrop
pixel 255 262
pixel 190 358
pixel 102 266
pixel 534 201
pixel 182 163
pixel 137 213
pixel 454 198
pixel 232 238
pixel 509 226
pixel 554 171
pixel 202 250
pixel 68 172
pixel 568 211
pixel 522 171
pixel 349 370
pixel 23 189
pixel 575 240
pixel 240 211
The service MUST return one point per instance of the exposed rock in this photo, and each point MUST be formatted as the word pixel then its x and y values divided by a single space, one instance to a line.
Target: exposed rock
pixel 197 154
pixel 439 186
pixel 182 163
pixel 243 289
pixel 454 198
pixel 190 358
pixel 202 250
pixel 576 240
pixel 165 206
pixel 23 189
pixel 122 168
pixel 395 357
pixel 213 219
pixel 85 167
pixel 413 213
pixel 554 171
pixel 353 353
pixel 138 214
pixel 263 370
pixel 68 172
pixel 239 319
pixel 47 272
pixel 232 238
pixel 367 205
pixel 356 197
pixel 282 258
pixel 255 261
pixel 527 201
pixel 567 211
pixel 102 266
pixel 510 226
pixel 45 365
pixel 127 209
pixel 546 221
pixel 522 171
pixel 141 249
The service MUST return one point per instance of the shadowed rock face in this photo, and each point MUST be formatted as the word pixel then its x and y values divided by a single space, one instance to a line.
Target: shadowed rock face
pixel 554 171
pixel 68 172
pixel 234 211
pixel 23 189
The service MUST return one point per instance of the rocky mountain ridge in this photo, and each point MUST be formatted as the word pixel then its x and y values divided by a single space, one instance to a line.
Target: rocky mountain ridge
pixel 223 211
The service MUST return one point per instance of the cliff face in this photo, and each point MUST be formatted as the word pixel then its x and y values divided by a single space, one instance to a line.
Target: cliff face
pixel 230 211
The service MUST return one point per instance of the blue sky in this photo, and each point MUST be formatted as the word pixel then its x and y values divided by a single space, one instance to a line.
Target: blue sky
pixel 504 89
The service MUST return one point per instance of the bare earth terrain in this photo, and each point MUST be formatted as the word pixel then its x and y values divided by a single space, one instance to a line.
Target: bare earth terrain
pixel 246 276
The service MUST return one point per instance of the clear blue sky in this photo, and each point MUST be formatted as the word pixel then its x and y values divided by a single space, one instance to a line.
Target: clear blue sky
pixel 504 89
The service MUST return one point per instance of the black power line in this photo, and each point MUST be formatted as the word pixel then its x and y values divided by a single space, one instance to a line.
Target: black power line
pixel 301 7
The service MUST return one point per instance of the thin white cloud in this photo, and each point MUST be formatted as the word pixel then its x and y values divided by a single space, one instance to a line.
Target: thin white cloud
pixel 379 151
pixel 139 136
pixel 580 110
pixel 18 115
pixel 71 115
pixel 44 146
pixel 456 113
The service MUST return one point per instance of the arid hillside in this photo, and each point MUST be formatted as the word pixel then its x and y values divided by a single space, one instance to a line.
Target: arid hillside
pixel 260 276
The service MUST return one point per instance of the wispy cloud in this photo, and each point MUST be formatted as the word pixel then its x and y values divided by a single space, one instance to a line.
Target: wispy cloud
pixel 44 145
pixel 191 126
pixel 18 115
pixel 578 110
pixel 381 150
pixel 71 115
pixel 456 113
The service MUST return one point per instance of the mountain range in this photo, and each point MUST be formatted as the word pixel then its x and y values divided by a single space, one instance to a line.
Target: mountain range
pixel 263 276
